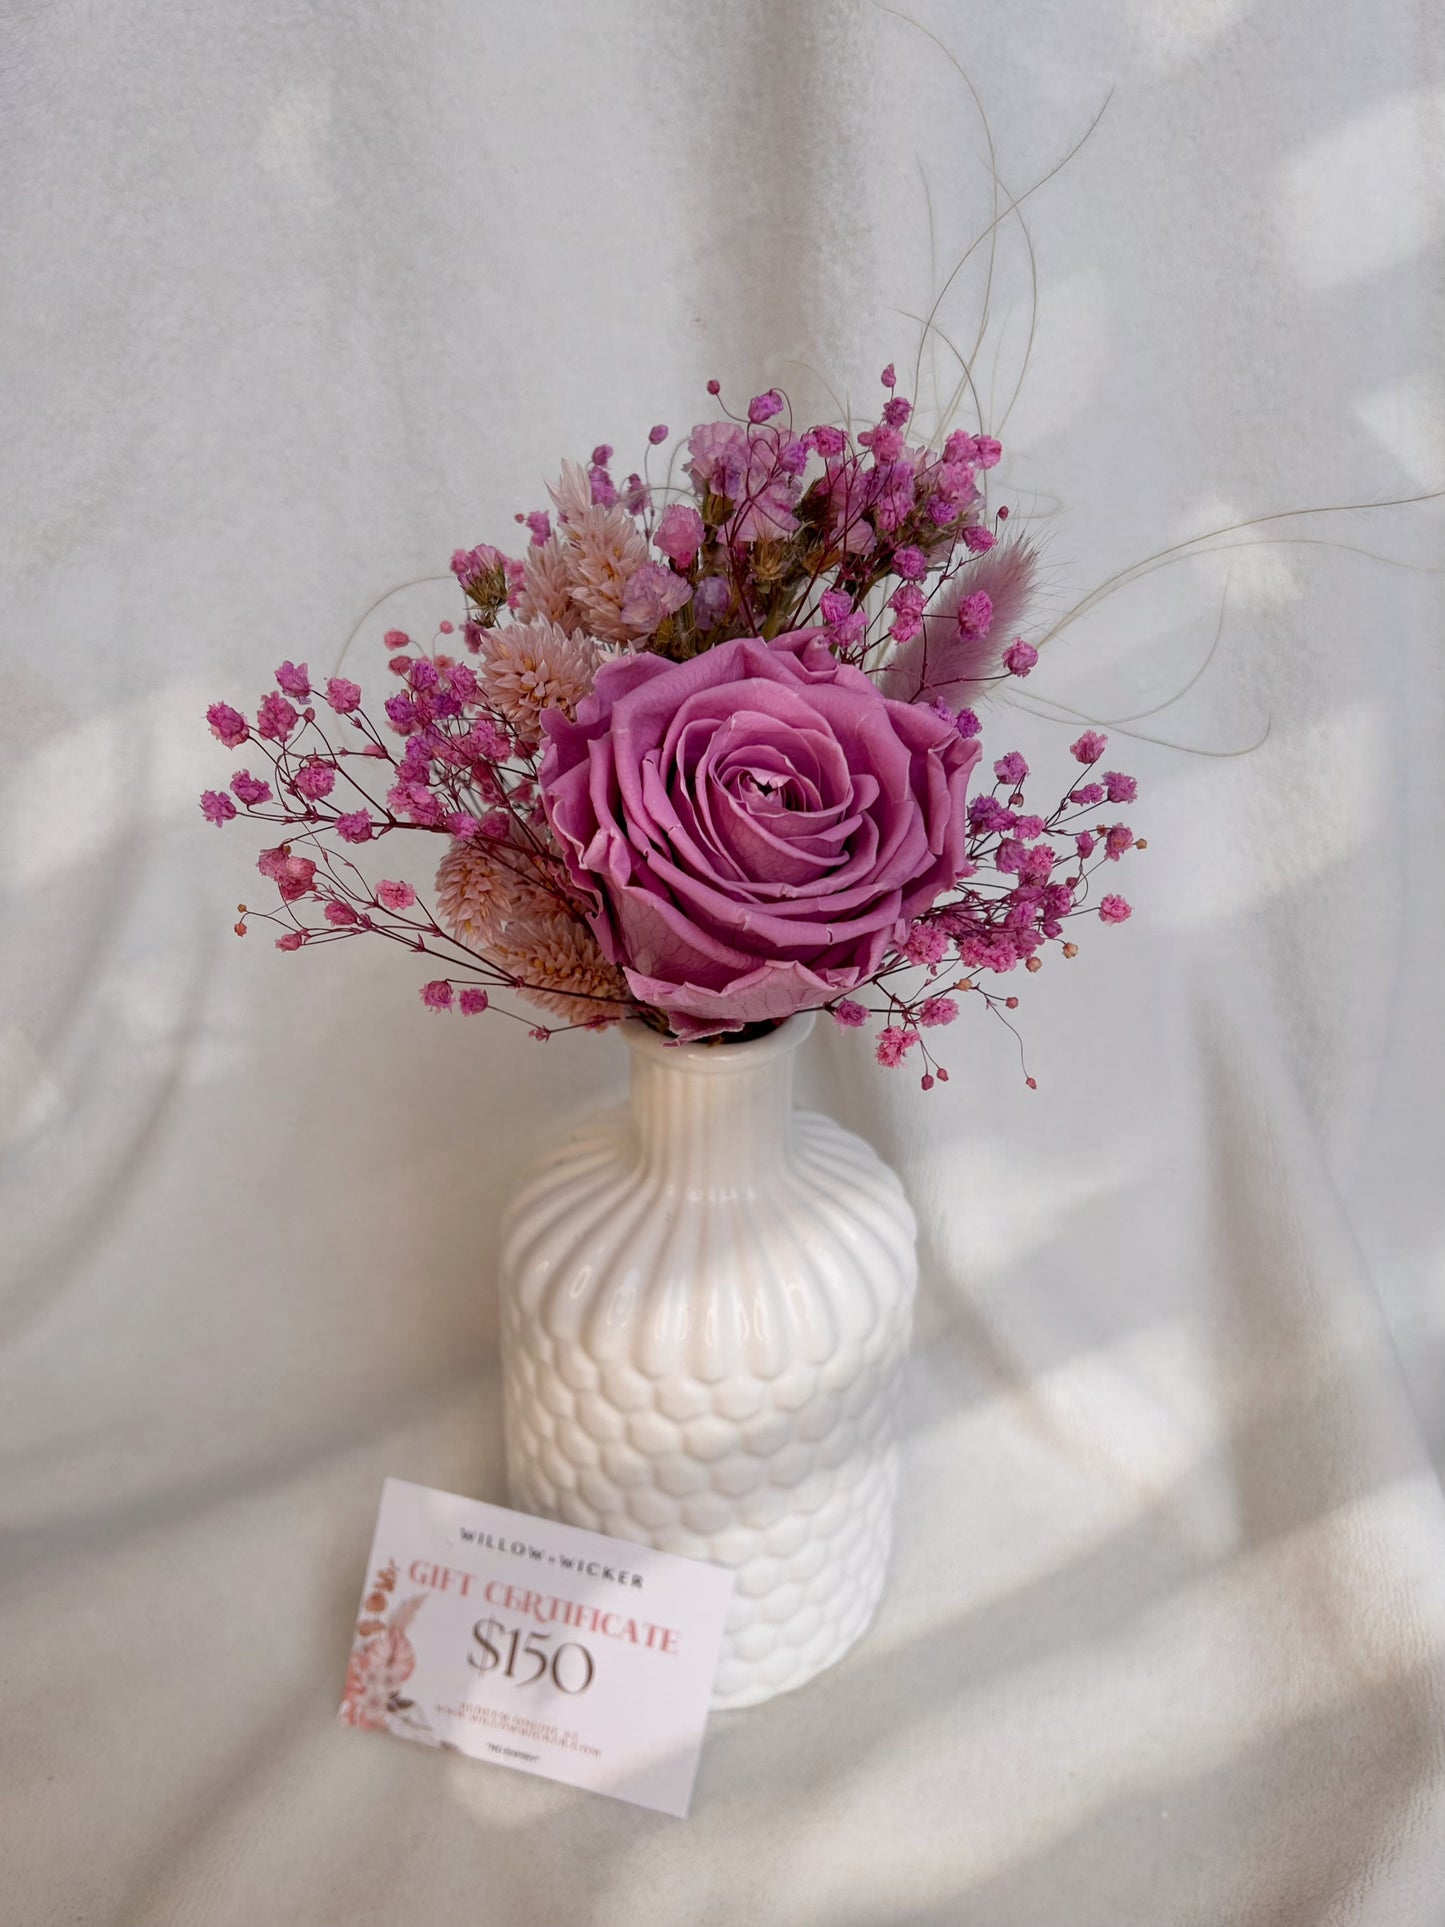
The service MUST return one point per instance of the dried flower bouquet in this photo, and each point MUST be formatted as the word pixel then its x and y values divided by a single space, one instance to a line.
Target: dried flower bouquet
pixel 703 755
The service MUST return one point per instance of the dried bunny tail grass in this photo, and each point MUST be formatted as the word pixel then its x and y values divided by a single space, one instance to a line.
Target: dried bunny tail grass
pixel 946 663
pixel 1007 575
pixel 559 967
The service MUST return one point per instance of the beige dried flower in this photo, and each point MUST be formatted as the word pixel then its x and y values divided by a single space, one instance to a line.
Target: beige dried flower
pixel 572 493
pixel 554 954
pixel 605 549
pixel 480 887
pixel 546 582
pixel 527 667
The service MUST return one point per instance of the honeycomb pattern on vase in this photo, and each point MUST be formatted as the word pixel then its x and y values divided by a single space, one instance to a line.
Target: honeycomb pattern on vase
pixel 706 1310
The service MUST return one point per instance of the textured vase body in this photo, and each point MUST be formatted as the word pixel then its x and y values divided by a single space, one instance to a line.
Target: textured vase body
pixel 706 1308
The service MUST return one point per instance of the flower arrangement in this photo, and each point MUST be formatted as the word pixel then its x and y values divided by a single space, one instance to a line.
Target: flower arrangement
pixel 704 756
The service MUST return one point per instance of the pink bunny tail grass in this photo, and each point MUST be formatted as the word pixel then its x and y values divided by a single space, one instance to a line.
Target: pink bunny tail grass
pixel 947 663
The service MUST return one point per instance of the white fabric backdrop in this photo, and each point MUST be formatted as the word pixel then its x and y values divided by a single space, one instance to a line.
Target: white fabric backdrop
pixel 299 298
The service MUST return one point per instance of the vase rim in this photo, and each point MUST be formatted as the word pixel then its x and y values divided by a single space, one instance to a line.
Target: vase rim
pixel 714 1058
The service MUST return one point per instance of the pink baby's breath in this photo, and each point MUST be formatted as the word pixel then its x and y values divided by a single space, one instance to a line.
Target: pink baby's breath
pixel 315 780
pixel 925 943
pixel 276 718
pixel 250 789
pixel 228 725
pixel 293 875
pixel 894 1044
pixel 217 807
pixel 343 696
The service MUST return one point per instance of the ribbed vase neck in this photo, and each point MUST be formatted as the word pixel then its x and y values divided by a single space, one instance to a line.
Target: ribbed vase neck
pixel 715 1119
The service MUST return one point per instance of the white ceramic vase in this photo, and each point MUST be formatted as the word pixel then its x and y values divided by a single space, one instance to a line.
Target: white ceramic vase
pixel 706 1304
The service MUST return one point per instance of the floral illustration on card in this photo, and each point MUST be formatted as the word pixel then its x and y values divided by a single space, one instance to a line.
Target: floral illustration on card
pixel 382 1660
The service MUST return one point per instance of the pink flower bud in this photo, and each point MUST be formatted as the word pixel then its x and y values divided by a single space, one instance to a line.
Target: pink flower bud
pixel 1089 747
pixel 250 789
pixel 217 807
pixel 227 725
pixel 975 613
pixel 679 534
pixel 276 718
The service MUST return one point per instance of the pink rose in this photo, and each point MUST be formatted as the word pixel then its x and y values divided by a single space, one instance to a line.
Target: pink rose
pixel 756 827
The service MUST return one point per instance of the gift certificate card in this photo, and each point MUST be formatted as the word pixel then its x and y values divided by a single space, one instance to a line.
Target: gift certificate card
pixel 537 1645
